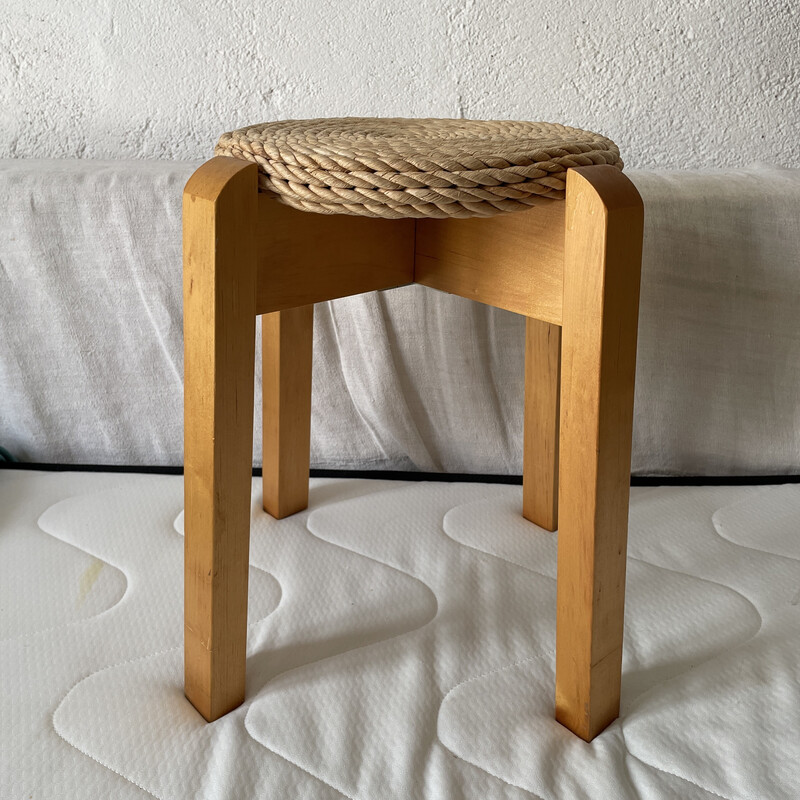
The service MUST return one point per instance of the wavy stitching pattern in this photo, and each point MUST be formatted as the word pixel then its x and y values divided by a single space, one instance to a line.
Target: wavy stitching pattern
pixel 639 695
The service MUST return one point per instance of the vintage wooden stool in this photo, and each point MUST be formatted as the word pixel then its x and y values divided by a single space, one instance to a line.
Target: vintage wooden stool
pixel 397 201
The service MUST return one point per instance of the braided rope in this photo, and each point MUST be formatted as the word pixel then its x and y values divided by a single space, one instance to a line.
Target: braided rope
pixel 398 168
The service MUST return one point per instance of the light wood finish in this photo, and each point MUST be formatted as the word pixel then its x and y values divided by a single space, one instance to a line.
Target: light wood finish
pixel 573 264
pixel 601 296
pixel 287 339
pixel 540 446
pixel 512 261
pixel 308 258
pixel 219 251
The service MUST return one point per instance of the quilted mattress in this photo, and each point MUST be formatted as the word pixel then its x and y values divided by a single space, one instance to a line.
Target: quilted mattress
pixel 401 645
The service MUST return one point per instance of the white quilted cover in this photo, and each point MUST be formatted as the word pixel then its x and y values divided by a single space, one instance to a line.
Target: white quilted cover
pixel 400 646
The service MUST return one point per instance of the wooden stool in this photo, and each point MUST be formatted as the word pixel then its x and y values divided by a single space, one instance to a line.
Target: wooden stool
pixel 399 202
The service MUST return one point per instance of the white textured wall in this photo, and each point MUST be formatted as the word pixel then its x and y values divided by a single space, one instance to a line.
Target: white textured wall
pixel 676 84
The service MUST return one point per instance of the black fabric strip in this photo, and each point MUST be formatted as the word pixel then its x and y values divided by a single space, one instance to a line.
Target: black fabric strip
pixel 441 477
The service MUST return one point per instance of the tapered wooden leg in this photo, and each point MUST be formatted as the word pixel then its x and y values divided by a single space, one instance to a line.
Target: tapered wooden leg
pixel 542 386
pixel 601 296
pixel 219 246
pixel 287 359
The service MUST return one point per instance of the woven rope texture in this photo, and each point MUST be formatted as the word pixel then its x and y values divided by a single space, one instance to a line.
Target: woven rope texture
pixel 398 168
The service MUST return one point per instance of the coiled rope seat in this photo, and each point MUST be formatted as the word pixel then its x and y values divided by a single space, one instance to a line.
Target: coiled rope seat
pixel 414 168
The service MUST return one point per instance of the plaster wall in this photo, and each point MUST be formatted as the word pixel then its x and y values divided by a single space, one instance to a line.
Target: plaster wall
pixel 675 84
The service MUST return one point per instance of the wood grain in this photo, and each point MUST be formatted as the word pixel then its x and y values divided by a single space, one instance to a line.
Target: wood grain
pixel 307 258
pixel 540 451
pixel 287 340
pixel 575 265
pixel 601 297
pixel 512 261
pixel 219 272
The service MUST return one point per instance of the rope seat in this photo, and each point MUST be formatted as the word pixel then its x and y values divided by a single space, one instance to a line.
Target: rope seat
pixel 401 168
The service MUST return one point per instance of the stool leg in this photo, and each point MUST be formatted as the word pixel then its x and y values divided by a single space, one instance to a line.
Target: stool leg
pixel 601 296
pixel 219 245
pixel 287 358
pixel 542 386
